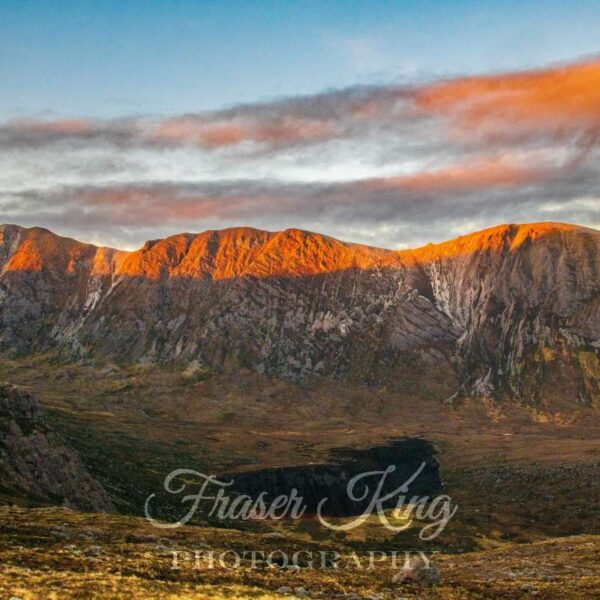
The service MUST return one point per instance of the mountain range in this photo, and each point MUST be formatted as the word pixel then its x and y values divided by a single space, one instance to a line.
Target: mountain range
pixel 511 311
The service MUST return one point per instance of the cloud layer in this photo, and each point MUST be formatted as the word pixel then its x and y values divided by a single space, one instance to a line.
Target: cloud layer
pixel 387 165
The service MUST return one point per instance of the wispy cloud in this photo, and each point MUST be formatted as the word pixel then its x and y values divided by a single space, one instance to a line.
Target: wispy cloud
pixel 380 164
pixel 556 103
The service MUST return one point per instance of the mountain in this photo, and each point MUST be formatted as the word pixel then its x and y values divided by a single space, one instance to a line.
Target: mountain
pixel 36 464
pixel 511 311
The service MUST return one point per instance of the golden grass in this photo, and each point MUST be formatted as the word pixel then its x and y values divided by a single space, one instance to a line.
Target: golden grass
pixel 57 554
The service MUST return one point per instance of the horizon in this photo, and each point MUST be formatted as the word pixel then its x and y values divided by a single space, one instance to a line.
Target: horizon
pixel 390 126
pixel 317 233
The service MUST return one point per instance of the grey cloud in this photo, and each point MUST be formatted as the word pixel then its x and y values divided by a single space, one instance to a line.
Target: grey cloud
pixel 378 216
pixel 385 165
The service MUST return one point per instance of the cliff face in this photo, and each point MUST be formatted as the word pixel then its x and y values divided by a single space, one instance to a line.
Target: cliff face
pixel 526 300
pixel 513 310
pixel 34 461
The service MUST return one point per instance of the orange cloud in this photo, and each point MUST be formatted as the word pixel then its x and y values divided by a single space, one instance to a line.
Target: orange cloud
pixel 290 129
pixel 190 129
pixel 195 130
pixel 560 101
pixel 481 173
pixel 126 206
pixel 64 127
pixel 165 204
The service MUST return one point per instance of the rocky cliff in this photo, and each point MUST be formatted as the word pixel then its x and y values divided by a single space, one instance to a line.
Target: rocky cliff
pixel 35 463
pixel 509 311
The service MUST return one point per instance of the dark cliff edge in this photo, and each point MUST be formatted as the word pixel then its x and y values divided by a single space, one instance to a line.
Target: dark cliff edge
pixel 36 466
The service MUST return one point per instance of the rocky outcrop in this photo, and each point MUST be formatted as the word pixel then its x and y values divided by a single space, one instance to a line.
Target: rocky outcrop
pixel 509 311
pixel 36 464
pixel 420 570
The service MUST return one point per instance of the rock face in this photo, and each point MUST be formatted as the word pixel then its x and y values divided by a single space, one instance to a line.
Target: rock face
pixel 34 461
pixel 509 311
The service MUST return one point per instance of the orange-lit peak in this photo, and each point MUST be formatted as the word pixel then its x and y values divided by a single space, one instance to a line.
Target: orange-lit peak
pixel 294 251
pixel 37 249
pixel 244 251
pixel 216 254
pixel 500 237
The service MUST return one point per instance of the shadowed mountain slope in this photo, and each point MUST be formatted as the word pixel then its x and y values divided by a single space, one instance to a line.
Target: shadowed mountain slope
pixel 512 310
pixel 36 464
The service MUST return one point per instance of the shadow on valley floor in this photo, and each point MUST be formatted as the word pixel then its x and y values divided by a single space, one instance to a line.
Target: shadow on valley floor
pixel 517 472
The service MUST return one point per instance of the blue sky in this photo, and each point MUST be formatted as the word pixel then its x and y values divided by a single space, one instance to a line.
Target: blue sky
pixel 113 58
pixel 387 123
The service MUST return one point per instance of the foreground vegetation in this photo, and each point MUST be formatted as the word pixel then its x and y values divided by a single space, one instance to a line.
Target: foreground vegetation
pixel 516 471
pixel 526 479
pixel 55 553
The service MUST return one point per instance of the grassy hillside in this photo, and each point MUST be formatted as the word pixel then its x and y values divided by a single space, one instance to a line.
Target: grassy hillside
pixel 55 553
pixel 516 471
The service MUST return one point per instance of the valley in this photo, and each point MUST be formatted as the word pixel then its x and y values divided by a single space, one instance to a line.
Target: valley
pixel 291 358
pixel 515 471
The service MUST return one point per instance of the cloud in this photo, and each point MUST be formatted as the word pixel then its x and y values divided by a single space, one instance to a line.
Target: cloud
pixel 486 172
pixel 389 215
pixel 228 132
pixel 558 102
pixel 390 165
pixel 25 132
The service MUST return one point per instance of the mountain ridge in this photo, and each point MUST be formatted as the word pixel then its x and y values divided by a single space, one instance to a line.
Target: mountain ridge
pixel 176 254
pixel 538 226
pixel 501 309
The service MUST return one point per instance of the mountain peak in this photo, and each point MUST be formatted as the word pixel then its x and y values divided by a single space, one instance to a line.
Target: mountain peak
pixel 499 238
pixel 488 306
pixel 237 251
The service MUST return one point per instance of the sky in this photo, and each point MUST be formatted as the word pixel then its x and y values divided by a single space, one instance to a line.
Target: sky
pixel 386 123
